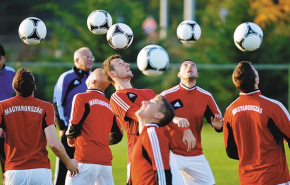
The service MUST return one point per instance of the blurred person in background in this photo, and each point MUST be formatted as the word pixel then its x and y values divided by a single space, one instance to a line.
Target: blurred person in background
pixel 6 77
pixel 29 126
pixel 69 84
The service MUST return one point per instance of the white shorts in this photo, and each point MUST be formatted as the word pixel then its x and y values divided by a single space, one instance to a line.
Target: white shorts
pixel 91 174
pixel 195 170
pixel 175 172
pixel 37 176
pixel 286 183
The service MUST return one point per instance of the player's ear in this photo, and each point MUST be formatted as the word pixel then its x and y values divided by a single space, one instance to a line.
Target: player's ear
pixel 178 74
pixel 159 115
pixel 111 74
pixel 257 80
pixel 196 74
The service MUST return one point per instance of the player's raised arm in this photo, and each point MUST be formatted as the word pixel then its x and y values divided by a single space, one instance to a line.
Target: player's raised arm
pixel 59 151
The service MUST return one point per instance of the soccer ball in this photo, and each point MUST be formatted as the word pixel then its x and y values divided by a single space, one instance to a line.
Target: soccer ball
pixel 152 60
pixel 32 31
pixel 99 21
pixel 120 36
pixel 188 32
pixel 248 36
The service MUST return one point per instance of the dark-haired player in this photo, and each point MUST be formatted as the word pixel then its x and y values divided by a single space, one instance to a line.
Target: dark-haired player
pixel 29 125
pixel 127 100
pixel 193 103
pixel 150 156
pixel 254 129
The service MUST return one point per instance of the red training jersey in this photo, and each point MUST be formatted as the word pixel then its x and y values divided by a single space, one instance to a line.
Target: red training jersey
pixel 124 104
pixel 254 128
pixel 150 157
pixel 23 120
pixel 194 104
pixel 90 123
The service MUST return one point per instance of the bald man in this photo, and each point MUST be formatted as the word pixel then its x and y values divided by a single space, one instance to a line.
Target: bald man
pixel 92 122
pixel 69 84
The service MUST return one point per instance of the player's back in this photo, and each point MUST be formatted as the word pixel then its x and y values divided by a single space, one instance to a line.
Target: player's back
pixel 92 144
pixel 254 120
pixel 24 121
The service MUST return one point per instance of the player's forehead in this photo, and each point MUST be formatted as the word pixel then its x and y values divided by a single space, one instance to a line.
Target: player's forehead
pixel 156 101
pixel 116 61
pixel 188 62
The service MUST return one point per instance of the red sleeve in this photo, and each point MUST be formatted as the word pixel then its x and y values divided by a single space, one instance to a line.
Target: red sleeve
pixel 157 146
pixel 177 128
pixel 78 110
pixel 213 106
pixel 229 140
pixel 122 107
pixel 281 119
pixel 49 117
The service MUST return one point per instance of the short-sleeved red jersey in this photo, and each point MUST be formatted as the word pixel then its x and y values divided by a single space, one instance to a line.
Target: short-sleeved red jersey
pixel 150 157
pixel 23 121
pixel 90 123
pixel 254 128
pixel 124 104
pixel 194 104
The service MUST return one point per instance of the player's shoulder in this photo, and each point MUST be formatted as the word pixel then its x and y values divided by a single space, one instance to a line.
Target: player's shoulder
pixel 67 74
pixel 42 102
pixel 271 102
pixel 170 90
pixel 10 69
pixel 203 91
pixel 233 104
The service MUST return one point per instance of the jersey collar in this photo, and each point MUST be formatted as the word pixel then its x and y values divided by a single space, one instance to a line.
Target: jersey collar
pixel 80 72
pixel 184 87
pixel 252 93
pixel 152 125
pixel 94 90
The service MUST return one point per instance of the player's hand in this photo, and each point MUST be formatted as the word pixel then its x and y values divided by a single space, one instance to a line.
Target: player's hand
pixel 189 139
pixel 217 122
pixel 181 122
pixel 73 167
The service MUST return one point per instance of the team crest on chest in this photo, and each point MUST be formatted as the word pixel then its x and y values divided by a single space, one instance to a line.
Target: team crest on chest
pixel 177 104
pixel 132 97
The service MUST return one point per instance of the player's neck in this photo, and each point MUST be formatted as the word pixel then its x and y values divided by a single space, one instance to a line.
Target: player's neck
pixel 188 83
pixel 123 84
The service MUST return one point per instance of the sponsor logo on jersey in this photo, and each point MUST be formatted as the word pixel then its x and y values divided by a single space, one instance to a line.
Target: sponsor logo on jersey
pixel 132 97
pixel 254 108
pixel 177 104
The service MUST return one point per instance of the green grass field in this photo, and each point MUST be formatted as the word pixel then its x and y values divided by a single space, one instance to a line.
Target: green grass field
pixel 225 170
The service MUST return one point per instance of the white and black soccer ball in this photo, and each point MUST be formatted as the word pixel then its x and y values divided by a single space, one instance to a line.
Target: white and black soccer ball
pixel 153 60
pixel 120 36
pixel 99 21
pixel 32 31
pixel 188 32
pixel 248 36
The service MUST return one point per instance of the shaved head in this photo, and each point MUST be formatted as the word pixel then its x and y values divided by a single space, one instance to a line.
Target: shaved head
pixel 96 80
